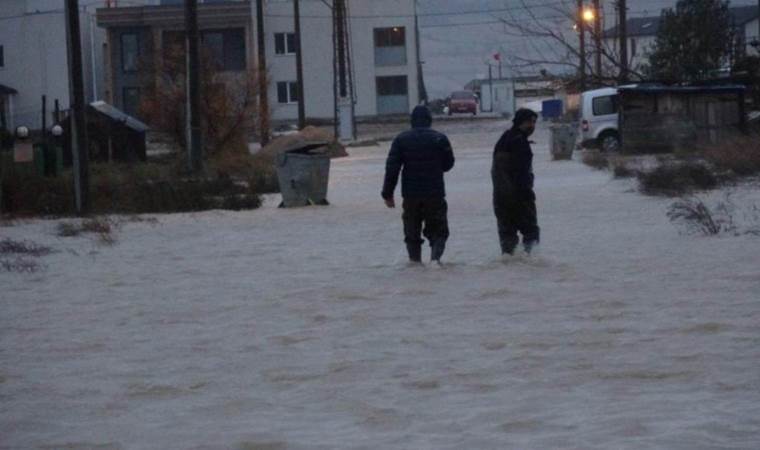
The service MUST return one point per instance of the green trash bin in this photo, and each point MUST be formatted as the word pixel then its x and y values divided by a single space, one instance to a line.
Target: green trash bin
pixel 48 159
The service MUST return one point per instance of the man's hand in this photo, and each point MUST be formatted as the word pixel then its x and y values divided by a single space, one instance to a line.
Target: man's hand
pixel 389 202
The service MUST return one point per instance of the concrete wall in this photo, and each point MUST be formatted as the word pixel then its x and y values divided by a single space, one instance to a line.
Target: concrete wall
pixel 36 61
pixel 316 28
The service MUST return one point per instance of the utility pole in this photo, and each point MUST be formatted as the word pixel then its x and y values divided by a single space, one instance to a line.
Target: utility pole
pixel 623 36
pixel 262 75
pixel 345 98
pixel 79 146
pixel 193 102
pixel 299 66
pixel 582 29
pixel 490 87
pixel 598 40
pixel 422 96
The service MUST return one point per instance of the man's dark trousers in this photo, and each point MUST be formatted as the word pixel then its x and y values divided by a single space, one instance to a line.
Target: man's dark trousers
pixel 426 216
pixel 513 214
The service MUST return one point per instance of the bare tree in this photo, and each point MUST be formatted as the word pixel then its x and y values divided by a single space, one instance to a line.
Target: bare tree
pixel 551 36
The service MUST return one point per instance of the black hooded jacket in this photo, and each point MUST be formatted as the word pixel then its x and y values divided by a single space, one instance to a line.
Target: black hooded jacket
pixel 512 170
pixel 424 154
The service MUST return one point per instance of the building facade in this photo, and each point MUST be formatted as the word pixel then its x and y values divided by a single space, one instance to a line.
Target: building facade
pixel 383 50
pixel 382 46
pixel 34 60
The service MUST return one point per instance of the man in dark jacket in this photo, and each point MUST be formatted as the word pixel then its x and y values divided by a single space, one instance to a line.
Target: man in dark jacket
pixel 514 201
pixel 424 154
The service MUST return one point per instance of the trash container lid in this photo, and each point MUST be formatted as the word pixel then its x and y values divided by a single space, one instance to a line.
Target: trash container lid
pixel 307 147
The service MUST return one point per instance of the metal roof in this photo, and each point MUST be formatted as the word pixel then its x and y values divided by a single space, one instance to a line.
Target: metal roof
pixel 7 90
pixel 661 88
pixel 119 116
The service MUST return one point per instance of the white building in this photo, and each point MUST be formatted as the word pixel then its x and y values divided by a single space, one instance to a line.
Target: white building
pixel 382 48
pixel 642 34
pixel 34 61
pixel 383 53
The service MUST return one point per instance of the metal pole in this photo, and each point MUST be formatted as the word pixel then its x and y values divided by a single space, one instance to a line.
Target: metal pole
pixel 195 156
pixel 44 118
pixel 490 87
pixel 623 36
pixel 582 28
pixel 79 148
pixel 299 66
pixel 263 91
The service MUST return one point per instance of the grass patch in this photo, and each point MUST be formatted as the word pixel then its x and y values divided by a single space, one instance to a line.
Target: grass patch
pixel 677 179
pixel 103 227
pixel 739 156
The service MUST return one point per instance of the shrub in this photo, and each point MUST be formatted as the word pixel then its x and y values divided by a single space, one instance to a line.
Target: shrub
pixel 739 155
pixel 595 159
pixel 620 168
pixel 9 246
pixel 676 179
pixel 695 215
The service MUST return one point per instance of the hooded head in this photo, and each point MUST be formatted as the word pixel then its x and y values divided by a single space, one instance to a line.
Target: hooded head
pixel 421 117
pixel 522 116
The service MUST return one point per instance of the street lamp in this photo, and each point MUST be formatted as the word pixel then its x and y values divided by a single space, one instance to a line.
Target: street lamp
pixel 588 14
pixel 56 131
pixel 22 132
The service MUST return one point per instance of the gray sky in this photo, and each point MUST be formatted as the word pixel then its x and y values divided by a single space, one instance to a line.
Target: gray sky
pixel 455 54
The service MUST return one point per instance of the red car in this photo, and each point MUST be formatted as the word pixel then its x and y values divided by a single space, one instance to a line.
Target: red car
pixel 463 102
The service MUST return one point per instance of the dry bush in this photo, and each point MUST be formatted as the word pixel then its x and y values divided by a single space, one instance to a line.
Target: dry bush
pixel 229 105
pixel 9 246
pixel 695 216
pixel 621 169
pixel 676 179
pixel 739 155
pixel 104 227
pixel 724 217
pixel 595 159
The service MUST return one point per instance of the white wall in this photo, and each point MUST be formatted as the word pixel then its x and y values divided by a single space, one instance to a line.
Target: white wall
pixel 316 29
pixel 36 61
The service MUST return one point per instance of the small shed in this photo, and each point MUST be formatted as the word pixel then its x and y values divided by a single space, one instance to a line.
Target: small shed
pixel 498 95
pixel 658 118
pixel 113 135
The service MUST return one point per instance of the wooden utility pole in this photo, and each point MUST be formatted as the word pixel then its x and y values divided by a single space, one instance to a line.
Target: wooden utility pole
pixel 598 41
pixel 623 36
pixel 299 66
pixel 341 43
pixel 193 102
pixel 262 75
pixel 582 29
pixel 79 145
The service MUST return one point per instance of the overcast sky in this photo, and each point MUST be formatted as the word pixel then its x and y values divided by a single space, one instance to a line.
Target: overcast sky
pixel 455 54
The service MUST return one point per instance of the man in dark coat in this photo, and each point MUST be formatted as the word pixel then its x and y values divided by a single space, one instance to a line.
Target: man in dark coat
pixel 424 155
pixel 514 201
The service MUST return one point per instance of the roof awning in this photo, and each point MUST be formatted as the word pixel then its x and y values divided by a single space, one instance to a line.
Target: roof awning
pixel 5 90
pixel 119 116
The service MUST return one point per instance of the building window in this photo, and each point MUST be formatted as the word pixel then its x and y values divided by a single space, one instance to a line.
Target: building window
pixel 131 100
pixel 392 95
pixel 2 57
pixel 226 48
pixel 285 43
pixel 130 51
pixel 390 46
pixel 287 92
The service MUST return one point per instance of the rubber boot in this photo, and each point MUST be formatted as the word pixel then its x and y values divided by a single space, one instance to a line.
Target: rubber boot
pixel 415 252
pixel 436 250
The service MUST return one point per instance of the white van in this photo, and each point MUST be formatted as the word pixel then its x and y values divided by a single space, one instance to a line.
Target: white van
pixel 599 119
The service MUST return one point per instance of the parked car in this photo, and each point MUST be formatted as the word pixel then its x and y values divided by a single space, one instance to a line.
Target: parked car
pixel 599 119
pixel 463 102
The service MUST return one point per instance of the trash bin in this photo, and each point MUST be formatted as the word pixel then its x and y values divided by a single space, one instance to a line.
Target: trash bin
pixel 562 144
pixel 303 173
pixel 48 159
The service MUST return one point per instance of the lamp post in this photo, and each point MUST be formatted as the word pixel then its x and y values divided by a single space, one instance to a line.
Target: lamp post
pixel 585 15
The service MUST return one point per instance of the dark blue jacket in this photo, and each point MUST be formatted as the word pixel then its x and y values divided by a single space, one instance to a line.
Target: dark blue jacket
pixel 512 169
pixel 424 154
